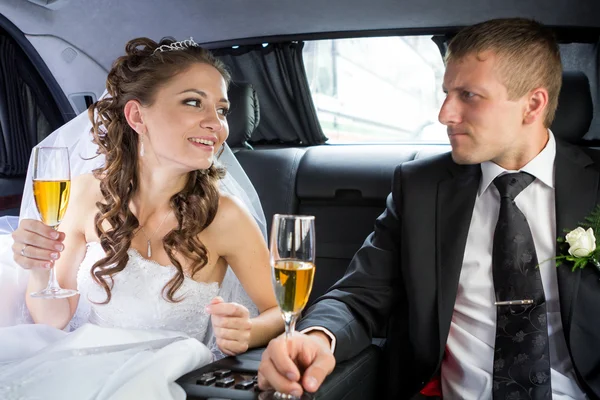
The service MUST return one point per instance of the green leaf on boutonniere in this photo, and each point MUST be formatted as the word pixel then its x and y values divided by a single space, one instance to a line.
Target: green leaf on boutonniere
pixel 596 253
pixel 593 220
pixel 558 262
pixel 580 263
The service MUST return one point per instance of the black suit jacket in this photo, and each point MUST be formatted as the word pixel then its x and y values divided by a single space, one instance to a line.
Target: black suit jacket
pixel 402 283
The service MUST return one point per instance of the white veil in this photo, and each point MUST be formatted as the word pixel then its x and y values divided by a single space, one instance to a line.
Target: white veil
pixel 76 135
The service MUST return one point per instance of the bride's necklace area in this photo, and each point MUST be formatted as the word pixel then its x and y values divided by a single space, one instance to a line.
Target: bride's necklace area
pixel 148 239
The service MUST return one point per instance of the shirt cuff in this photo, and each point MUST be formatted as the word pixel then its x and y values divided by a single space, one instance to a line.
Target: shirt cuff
pixel 325 331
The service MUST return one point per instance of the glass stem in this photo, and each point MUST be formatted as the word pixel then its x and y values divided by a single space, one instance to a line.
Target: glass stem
pixel 52 282
pixel 290 324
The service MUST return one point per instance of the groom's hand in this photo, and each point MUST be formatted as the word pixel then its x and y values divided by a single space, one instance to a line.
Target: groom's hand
pixel 299 363
pixel 231 326
pixel 36 245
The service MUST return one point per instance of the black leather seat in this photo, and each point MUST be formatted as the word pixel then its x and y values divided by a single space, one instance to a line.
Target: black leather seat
pixel 244 114
pixel 345 188
pixel 271 171
pixel 575 108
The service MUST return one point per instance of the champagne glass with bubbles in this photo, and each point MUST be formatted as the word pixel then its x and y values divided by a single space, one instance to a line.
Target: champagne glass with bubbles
pixel 51 189
pixel 293 269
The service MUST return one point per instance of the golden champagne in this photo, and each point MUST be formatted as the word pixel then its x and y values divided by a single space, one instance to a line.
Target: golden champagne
pixel 293 284
pixel 51 198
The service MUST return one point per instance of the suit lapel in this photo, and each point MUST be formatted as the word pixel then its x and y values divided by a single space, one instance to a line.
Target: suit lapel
pixel 455 203
pixel 576 189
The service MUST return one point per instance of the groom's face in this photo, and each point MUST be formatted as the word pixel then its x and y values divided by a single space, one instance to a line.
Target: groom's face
pixel 483 124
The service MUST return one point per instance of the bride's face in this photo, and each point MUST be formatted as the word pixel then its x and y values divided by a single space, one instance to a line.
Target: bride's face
pixel 187 125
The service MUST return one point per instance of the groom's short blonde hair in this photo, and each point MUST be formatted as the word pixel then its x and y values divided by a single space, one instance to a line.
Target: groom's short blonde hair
pixel 528 55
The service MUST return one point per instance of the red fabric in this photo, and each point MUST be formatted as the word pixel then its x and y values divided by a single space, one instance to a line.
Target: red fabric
pixel 433 388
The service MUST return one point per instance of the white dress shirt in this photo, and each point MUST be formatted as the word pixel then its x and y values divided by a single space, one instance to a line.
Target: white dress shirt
pixel 467 365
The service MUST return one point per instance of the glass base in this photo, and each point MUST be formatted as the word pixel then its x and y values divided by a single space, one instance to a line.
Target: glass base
pixel 54 293
pixel 273 395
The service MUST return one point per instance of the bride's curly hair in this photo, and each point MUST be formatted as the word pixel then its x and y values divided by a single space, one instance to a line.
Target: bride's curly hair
pixel 136 76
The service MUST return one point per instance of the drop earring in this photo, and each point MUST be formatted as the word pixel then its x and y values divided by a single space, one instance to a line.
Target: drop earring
pixel 141 145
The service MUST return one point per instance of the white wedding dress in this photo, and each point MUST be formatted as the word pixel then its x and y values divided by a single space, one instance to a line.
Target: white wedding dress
pixel 137 301
pixel 135 346
pixel 138 344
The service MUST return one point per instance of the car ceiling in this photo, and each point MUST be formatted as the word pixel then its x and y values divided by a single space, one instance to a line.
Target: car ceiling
pixel 101 28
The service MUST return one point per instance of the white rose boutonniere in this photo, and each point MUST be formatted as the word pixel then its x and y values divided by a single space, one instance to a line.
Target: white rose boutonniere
pixel 579 245
pixel 581 242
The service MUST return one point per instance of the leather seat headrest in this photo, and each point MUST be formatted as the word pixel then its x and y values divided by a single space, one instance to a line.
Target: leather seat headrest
pixel 575 109
pixel 571 122
pixel 244 115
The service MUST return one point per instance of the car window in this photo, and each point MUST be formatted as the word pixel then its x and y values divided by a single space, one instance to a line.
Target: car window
pixel 378 89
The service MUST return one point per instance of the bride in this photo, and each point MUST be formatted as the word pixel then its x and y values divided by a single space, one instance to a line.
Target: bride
pixel 155 247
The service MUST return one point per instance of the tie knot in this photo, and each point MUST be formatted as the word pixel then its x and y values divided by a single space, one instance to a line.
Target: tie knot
pixel 510 185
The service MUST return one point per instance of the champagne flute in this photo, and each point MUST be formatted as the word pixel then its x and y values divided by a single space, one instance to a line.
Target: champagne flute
pixel 51 188
pixel 293 270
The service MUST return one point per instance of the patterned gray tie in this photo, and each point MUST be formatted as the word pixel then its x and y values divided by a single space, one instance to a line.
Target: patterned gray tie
pixel 521 357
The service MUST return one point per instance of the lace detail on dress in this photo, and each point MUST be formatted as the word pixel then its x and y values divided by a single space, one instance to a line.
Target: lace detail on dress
pixel 137 301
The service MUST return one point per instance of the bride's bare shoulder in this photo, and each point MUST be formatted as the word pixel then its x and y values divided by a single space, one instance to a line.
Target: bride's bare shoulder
pixel 230 209
pixel 232 218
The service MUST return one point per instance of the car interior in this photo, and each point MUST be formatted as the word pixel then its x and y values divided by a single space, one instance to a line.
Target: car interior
pixel 313 138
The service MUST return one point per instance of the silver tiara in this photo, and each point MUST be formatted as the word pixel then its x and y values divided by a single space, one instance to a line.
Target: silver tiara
pixel 182 45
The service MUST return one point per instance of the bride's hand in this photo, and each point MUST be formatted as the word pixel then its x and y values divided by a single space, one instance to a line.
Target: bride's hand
pixel 231 326
pixel 36 245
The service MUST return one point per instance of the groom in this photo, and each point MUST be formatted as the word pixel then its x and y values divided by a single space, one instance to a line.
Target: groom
pixel 459 270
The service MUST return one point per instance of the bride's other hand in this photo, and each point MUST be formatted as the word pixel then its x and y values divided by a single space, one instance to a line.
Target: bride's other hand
pixel 36 245
pixel 231 326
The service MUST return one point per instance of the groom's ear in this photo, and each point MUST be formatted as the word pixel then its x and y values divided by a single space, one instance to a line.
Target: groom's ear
pixel 133 115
